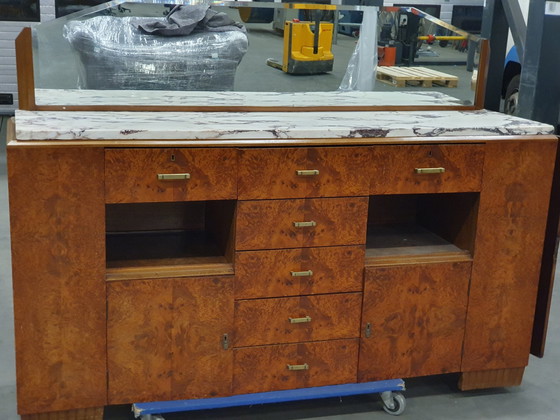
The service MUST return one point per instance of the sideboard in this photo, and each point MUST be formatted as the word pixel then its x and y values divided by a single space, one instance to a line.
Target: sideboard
pixel 161 256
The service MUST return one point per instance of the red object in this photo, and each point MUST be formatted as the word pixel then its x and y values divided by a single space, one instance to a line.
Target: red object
pixel 387 56
pixel 431 39
pixel 295 20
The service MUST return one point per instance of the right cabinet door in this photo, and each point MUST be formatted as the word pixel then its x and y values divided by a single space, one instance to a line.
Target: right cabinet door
pixel 413 320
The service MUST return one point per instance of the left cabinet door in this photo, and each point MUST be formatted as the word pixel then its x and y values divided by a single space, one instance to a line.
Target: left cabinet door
pixel 169 339
pixel 57 221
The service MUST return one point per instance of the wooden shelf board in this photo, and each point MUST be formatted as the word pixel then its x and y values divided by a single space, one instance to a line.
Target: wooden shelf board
pixel 409 244
pixel 167 268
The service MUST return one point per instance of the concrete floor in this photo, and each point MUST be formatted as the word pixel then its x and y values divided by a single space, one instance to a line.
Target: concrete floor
pixel 434 398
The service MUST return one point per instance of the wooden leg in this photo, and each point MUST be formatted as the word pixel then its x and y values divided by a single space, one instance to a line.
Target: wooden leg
pixel 95 413
pixel 491 378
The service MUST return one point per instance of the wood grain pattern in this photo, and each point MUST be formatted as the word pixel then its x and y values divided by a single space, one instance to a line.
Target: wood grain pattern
pixel 131 175
pixel 94 413
pixel 417 320
pixel 511 226
pixel 393 169
pixel 266 321
pixel 58 268
pixel 343 171
pixel 25 73
pixel 268 273
pixel 165 339
pixel 262 369
pixel 498 378
pixel 268 224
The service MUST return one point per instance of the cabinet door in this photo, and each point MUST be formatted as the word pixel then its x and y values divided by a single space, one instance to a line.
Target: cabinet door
pixel 413 320
pixel 166 339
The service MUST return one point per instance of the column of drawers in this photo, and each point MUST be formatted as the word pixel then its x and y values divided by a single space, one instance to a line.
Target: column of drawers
pixel 300 243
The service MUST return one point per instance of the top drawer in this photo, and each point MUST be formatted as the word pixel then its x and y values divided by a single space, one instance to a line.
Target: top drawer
pixel 303 172
pixel 157 175
pixel 426 169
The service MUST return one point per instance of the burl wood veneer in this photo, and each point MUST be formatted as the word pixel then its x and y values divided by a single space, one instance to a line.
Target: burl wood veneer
pixel 359 268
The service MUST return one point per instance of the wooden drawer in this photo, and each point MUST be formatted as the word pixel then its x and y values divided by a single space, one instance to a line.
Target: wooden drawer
pixel 410 169
pixel 132 175
pixel 302 271
pixel 261 369
pixel 270 224
pixel 413 322
pixel 294 319
pixel 304 172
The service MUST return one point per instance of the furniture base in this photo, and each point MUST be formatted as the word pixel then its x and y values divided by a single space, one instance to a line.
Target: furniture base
pixel 92 413
pixel 491 378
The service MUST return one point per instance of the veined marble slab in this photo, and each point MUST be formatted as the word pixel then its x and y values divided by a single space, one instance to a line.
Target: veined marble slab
pixel 51 125
pixel 61 97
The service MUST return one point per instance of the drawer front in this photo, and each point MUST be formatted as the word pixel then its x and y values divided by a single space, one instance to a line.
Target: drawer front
pixel 292 272
pixel 426 169
pixel 134 175
pixel 267 368
pixel 304 172
pixel 294 319
pixel 272 224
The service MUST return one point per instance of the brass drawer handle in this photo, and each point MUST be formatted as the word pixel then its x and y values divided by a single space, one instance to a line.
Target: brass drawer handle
pixel 305 366
pixel 307 172
pixel 305 224
pixel 429 170
pixel 299 320
pixel 173 177
pixel 306 273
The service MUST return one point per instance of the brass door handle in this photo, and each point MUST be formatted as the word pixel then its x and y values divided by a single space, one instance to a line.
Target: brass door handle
pixel 305 366
pixel 173 177
pixel 429 170
pixel 305 224
pixel 301 273
pixel 299 320
pixel 307 172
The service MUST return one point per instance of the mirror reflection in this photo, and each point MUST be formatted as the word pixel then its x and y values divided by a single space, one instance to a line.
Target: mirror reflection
pixel 143 52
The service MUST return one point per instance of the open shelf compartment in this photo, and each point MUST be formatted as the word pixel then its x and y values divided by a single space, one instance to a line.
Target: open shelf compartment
pixel 420 228
pixel 155 240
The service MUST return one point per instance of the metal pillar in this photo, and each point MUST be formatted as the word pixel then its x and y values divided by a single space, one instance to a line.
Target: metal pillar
pixel 495 28
pixel 539 91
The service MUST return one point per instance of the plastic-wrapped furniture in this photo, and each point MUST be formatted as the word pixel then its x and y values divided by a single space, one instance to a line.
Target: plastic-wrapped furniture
pixel 115 54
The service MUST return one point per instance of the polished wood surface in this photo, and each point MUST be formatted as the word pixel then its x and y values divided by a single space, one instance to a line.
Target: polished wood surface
pixel 269 224
pixel 131 174
pixel 262 274
pixel 165 339
pixel 342 171
pixel 25 72
pixel 416 316
pixel 58 269
pixel 264 368
pixel 394 169
pixel 498 378
pixel 267 321
pixel 511 225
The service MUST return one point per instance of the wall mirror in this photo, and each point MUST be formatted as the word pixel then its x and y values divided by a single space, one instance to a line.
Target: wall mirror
pixel 260 55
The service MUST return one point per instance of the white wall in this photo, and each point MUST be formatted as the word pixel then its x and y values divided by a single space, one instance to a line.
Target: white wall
pixel 8 33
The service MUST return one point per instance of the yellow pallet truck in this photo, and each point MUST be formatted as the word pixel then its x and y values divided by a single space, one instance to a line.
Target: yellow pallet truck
pixel 307 45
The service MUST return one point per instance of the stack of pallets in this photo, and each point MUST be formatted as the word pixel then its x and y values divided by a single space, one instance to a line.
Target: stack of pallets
pixel 420 76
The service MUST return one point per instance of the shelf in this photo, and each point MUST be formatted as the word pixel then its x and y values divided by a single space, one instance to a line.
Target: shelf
pixel 409 244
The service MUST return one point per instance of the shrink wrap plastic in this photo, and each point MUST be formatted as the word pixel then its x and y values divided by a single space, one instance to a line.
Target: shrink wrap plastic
pixel 115 54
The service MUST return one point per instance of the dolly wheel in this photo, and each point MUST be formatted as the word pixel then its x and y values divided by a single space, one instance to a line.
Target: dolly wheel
pixel 398 404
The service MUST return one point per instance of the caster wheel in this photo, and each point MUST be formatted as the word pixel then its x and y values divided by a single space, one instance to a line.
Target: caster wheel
pixel 399 404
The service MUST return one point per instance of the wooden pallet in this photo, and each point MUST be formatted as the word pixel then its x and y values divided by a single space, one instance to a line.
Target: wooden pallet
pixel 421 76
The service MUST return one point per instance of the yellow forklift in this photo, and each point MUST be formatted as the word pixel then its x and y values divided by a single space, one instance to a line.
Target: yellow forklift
pixel 307 44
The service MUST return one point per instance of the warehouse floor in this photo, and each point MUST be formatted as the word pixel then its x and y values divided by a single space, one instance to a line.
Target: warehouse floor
pixel 435 397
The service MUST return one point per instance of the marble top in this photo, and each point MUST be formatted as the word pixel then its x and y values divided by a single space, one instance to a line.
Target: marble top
pixel 61 97
pixel 99 125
